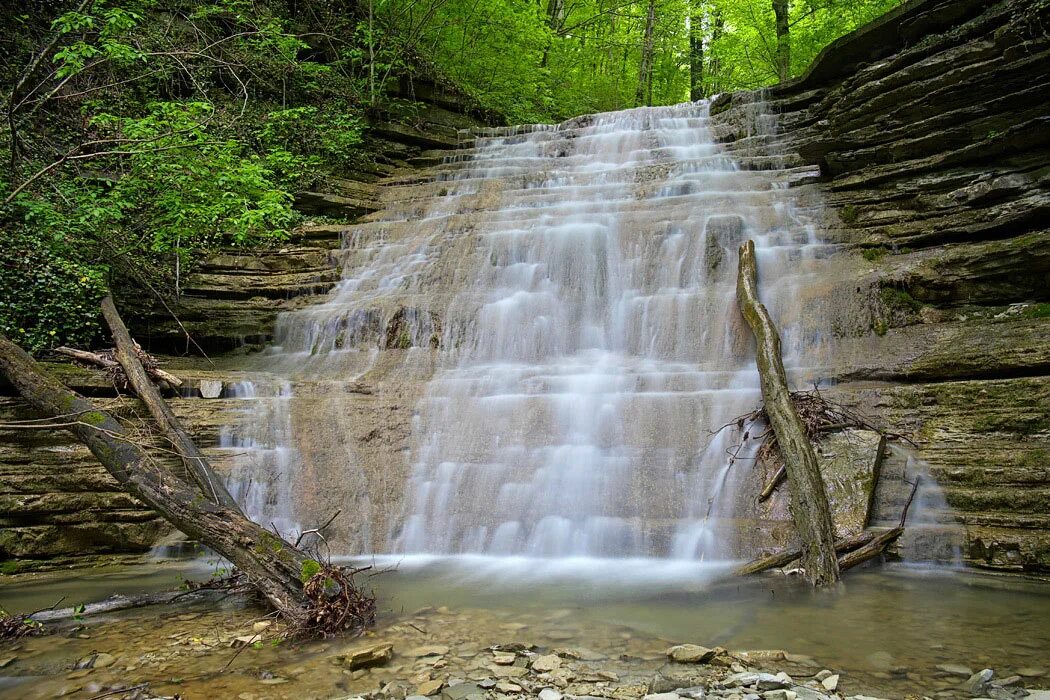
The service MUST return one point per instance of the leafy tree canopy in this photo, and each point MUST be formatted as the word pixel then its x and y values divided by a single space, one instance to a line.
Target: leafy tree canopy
pixel 139 135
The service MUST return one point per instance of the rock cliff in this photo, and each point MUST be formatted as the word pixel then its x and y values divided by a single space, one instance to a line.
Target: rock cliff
pixel 931 130
pixel 920 143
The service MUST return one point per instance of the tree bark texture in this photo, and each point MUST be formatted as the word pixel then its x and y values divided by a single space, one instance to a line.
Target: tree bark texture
pixel 644 95
pixel 196 464
pixel 272 565
pixel 809 500
pixel 782 10
pixel 696 51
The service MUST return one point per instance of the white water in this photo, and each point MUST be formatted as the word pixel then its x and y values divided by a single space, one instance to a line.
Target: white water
pixel 583 281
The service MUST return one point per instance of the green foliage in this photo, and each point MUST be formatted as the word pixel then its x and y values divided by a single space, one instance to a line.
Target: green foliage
pixel 553 59
pixel 309 569
pixel 874 254
pixel 49 295
pixel 1037 311
pixel 139 146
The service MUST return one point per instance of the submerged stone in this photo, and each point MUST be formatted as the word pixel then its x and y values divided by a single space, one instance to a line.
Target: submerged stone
pixel 367 656
pixel 690 654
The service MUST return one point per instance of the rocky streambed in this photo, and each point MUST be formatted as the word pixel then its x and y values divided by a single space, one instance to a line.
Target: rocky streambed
pixel 554 645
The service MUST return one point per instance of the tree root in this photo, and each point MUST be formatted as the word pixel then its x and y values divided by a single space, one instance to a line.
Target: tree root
pixel 335 604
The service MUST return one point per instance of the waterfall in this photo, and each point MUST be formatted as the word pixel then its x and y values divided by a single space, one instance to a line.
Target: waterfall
pixel 578 281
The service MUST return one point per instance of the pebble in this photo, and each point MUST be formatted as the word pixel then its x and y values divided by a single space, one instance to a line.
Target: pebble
pixel 976 683
pixel 4 663
pixel 780 694
pixel 662 696
pixel 550 694
pixel 543 664
pixel 831 682
pixel 102 660
pixel 956 669
pixel 430 687
pixel 1031 671
pixel 503 658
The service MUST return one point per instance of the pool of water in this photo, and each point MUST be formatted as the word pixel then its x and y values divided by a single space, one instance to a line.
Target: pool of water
pixel 888 629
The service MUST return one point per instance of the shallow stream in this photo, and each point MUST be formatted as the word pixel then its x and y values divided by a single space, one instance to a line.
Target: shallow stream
pixel 895 632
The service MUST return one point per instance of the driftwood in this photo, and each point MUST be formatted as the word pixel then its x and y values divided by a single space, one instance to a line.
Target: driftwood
pixel 856 550
pixel 117 603
pixel 809 500
pixel 272 565
pixel 781 559
pixel 771 487
pixel 196 464
pixel 112 365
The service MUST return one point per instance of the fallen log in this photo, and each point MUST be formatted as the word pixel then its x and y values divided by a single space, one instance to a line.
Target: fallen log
pixel 272 565
pixel 88 358
pixel 196 464
pixel 117 603
pixel 871 550
pixel 782 559
pixel 809 501
pixel 91 358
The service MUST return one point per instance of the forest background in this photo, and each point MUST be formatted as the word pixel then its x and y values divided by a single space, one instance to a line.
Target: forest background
pixel 138 136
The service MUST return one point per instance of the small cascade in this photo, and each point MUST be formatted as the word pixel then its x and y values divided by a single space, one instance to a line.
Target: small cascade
pixel 265 459
pixel 933 536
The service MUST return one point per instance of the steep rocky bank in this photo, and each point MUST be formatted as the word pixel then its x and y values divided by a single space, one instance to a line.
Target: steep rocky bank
pixel 57 504
pixel 931 129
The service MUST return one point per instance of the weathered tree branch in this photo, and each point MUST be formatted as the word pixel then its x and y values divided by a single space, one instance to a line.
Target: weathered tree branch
pixel 92 358
pixel 809 500
pixel 271 565
pixel 196 464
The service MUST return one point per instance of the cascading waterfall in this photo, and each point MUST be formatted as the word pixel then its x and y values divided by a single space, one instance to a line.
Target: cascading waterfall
pixel 603 349
pixel 579 280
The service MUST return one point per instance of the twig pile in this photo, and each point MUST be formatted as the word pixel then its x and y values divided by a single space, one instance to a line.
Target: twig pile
pixel 336 604
pixel 18 626
pixel 819 417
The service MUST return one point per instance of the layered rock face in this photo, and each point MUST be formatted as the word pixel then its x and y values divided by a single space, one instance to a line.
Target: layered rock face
pixel 920 143
pixel 931 129
pixel 56 502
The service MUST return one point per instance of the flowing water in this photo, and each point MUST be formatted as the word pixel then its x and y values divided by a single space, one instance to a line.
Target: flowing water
pixel 563 296
pixel 579 282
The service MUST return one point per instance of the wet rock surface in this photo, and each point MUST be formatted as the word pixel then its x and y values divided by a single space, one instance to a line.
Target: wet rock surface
pixel 929 130
pixel 446 654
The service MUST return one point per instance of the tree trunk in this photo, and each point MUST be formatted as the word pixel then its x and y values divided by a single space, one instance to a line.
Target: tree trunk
pixel 196 464
pixel 782 10
pixel 644 95
pixel 696 51
pixel 272 565
pixel 809 500
pixel 714 64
